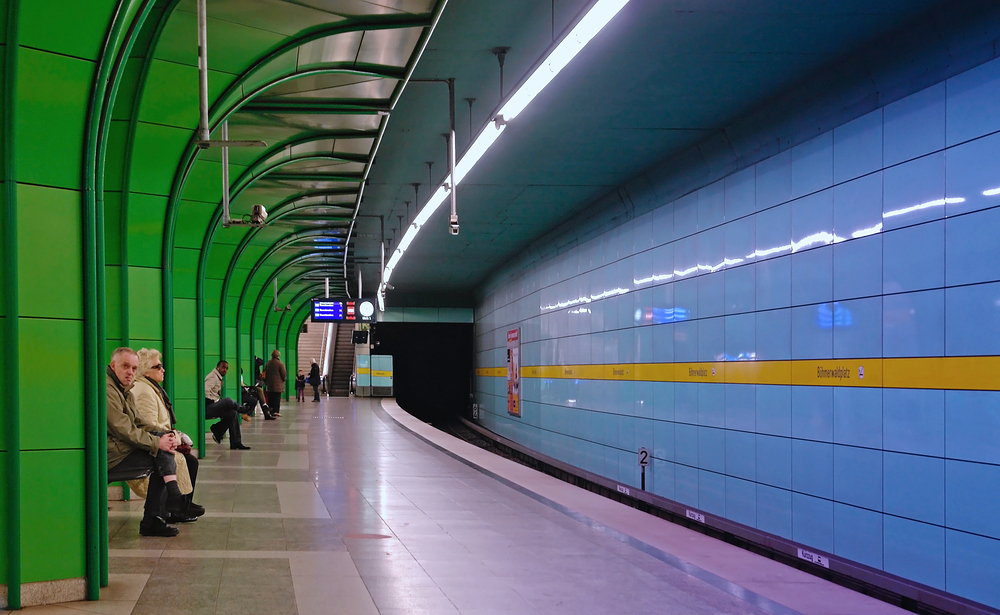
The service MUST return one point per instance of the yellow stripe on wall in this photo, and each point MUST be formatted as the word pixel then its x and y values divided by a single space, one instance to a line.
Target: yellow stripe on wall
pixel 381 374
pixel 959 373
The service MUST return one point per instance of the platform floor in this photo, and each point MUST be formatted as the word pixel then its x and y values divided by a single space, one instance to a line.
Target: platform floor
pixel 352 506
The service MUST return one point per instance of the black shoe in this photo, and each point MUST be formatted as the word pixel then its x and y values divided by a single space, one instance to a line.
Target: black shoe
pixel 239 447
pixel 215 435
pixel 176 505
pixel 269 417
pixel 156 526
pixel 172 518
pixel 193 510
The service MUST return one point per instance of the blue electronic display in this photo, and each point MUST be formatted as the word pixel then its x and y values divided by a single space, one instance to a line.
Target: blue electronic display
pixel 343 310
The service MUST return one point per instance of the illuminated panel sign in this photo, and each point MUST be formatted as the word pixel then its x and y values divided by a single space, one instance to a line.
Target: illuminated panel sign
pixel 343 310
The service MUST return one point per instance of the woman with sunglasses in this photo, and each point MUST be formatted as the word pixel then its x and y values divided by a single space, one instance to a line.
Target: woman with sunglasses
pixel 154 407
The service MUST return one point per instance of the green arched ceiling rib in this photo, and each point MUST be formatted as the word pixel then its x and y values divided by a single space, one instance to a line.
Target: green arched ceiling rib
pixel 128 19
pixel 259 301
pixel 248 284
pixel 288 263
pixel 298 279
pixel 242 92
pixel 203 262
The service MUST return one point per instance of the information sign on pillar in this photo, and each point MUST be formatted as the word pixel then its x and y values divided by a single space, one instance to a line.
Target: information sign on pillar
pixel 514 372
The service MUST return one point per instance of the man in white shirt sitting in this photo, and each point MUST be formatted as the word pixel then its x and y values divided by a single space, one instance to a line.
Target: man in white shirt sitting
pixel 224 408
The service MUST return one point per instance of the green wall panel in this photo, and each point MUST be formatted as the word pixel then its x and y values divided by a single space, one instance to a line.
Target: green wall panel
pixel 204 182
pixel 185 368
pixel 231 44
pixel 186 411
pixel 145 229
pixel 52 515
pixel 185 321
pixel 70 28
pixel 185 272
pixel 109 349
pixel 211 339
pixel 118 133
pixel 113 294
pixel 230 355
pixel 51 411
pixel 52 95
pixel 213 295
pixel 49 250
pixel 145 304
pixel 112 228
pixel 155 154
pixel 171 95
pixel 192 221
pixel 126 96
pixel 219 259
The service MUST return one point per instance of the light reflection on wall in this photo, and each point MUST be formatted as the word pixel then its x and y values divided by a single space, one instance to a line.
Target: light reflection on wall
pixel 835 315
pixel 659 316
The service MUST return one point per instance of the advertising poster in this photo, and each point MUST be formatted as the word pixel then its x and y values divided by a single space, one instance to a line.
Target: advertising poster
pixel 514 372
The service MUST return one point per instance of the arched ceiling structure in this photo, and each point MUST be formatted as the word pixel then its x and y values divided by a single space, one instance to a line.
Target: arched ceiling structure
pixel 343 94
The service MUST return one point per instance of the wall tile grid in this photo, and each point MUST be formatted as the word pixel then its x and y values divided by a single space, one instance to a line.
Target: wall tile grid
pixel 879 239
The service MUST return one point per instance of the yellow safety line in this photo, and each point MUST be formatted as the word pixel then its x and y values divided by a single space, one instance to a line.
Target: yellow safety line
pixel 962 373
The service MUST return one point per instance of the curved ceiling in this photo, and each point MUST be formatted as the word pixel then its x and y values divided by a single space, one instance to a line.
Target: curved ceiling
pixel 336 88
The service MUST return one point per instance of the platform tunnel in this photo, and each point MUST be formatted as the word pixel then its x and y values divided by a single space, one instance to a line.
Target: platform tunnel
pixel 759 241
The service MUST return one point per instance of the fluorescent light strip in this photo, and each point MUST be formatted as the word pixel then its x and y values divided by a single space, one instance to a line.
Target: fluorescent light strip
pixel 586 29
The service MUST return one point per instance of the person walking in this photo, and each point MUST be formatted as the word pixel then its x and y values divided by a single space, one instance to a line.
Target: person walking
pixel 274 379
pixel 314 380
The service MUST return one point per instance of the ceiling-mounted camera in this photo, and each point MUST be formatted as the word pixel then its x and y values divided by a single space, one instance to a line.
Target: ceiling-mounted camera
pixel 258 214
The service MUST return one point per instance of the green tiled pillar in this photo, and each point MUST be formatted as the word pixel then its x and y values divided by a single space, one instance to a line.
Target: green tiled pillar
pixel 50 57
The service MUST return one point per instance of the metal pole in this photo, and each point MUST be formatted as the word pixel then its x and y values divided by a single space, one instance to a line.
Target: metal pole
pixel 327 295
pixel 226 220
pixel 203 133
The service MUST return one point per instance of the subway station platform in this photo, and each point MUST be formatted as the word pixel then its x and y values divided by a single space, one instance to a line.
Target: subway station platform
pixel 353 506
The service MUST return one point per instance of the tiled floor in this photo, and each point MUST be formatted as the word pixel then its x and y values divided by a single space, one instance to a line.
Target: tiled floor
pixel 346 506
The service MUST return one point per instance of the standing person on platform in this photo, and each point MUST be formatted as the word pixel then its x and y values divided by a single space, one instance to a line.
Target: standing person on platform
pixel 274 379
pixel 314 379
pixel 135 446
pixel 300 387
pixel 224 408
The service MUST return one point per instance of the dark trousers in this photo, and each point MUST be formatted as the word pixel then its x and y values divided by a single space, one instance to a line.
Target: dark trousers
pixel 315 392
pixel 163 464
pixel 274 400
pixel 225 409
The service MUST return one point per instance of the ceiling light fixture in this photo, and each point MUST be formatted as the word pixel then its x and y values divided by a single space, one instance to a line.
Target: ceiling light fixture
pixel 602 12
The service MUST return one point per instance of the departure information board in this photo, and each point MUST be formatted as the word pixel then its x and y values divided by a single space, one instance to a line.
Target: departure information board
pixel 343 310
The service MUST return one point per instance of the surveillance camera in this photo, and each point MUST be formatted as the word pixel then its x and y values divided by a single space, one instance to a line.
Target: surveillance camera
pixel 258 215
pixel 453 225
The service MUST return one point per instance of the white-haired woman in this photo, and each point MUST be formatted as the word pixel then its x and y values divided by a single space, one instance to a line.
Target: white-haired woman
pixel 153 406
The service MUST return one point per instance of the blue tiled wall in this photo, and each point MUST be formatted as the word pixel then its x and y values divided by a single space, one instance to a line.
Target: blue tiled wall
pixel 888 230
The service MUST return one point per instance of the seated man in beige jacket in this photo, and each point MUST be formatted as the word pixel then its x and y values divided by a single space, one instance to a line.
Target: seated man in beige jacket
pixel 134 445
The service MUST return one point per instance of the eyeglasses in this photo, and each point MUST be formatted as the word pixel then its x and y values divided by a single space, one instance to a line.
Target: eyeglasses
pixel 157 366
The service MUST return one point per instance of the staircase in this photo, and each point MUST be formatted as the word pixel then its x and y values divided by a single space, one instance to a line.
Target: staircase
pixel 342 362
pixel 311 347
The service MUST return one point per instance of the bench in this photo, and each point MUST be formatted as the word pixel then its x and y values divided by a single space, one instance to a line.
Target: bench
pixel 117 478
